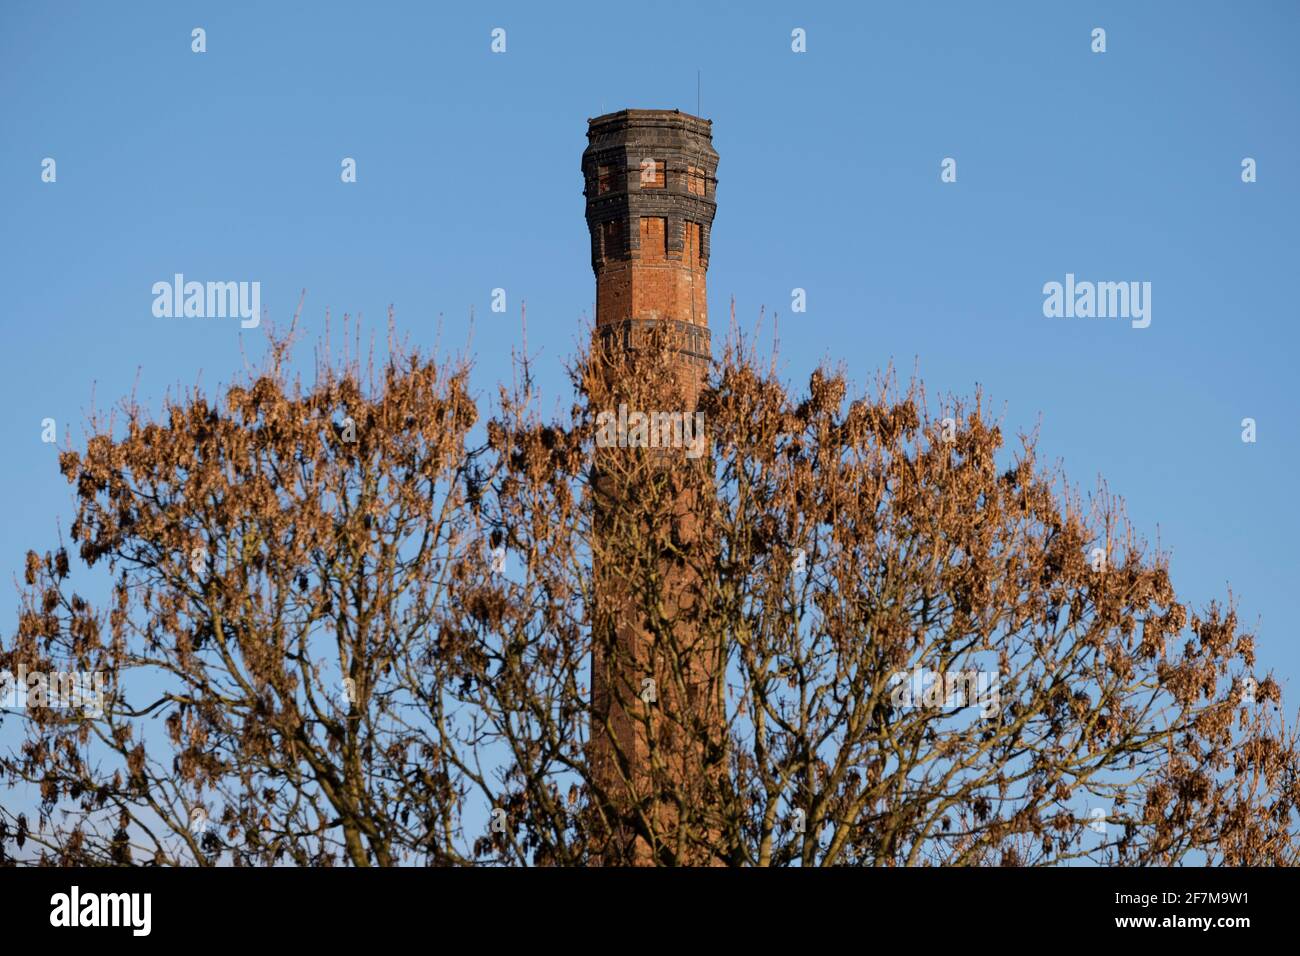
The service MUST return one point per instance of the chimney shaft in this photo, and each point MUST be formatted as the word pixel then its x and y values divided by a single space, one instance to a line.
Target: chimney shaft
pixel 657 708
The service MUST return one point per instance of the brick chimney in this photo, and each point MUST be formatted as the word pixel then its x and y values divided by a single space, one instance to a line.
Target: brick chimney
pixel 650 183
pixel 650 180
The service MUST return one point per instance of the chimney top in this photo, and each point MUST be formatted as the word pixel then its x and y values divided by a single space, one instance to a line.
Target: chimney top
pixel 631 117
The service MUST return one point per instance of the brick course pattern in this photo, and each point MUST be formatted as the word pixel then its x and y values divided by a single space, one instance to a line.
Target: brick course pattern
pixel 650 183
pixel 650 179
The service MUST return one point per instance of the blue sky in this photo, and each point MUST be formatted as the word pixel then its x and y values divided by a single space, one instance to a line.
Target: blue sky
pixel 1122 166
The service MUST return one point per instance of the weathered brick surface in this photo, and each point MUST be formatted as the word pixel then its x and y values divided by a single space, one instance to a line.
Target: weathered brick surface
pixel 650 184
pixel 650 179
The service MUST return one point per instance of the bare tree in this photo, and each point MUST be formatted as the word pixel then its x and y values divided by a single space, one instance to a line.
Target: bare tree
pixel 351 624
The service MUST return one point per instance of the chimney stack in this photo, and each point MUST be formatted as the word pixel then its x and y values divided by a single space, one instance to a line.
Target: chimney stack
pixel 650 184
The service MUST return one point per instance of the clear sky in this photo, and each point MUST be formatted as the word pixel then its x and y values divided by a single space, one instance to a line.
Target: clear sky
pixel 1115 166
